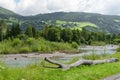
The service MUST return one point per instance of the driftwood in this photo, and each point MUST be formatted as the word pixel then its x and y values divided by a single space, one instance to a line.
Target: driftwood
pixel 80 62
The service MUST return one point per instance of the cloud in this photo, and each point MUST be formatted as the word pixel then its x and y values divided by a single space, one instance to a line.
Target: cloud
pixel 32 7
pixel 8 4
pixel 62 5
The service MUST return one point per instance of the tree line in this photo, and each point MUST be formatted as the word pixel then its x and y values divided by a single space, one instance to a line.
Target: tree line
pixel 75 35
pixel 57 34
pixel 15 31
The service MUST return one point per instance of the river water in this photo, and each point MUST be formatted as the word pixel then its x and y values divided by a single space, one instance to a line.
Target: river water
pixel 19 60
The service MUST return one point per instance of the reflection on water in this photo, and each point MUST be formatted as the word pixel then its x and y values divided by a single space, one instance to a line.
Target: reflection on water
pixel 24 61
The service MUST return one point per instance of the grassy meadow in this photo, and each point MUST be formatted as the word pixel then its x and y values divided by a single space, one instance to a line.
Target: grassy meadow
pixel 75 25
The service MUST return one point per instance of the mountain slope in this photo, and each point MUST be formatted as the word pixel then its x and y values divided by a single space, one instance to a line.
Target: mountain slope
pixel 77 20
pixel 105 23
pixel 5 11
pixel 6 14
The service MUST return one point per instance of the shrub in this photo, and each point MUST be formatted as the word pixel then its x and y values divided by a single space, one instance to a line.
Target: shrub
pixel 30 41
pixel 74 45
pixel 116 41
pixel 98 43
pixel 16 42
pixel 24 49
pixel 22 36
pixel 34 48
pixel 118 49
pixel 34 45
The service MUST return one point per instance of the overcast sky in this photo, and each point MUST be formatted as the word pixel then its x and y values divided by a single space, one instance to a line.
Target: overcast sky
pixel 32 7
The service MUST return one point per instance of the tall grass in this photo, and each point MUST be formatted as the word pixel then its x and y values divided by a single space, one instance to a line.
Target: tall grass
pixel 32 45
pixel 98 43
pixel 95 56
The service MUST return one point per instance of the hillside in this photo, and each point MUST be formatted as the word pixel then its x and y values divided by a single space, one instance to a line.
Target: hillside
pixel 74 20
pixel 6 12
pixel 106 23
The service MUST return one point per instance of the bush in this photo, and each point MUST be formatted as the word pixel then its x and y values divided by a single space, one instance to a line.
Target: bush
pixel 116 41
pixel 24 49
pixel 98 43
pixel 22 37
pixel 16 42
pixel 30 41
pixel 34 45
pixel 118 49
pixel 74 45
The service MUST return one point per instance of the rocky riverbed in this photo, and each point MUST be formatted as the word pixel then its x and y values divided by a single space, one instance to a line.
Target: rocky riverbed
pixel 18 60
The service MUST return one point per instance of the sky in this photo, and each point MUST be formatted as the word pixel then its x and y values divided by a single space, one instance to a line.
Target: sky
pixel 33 7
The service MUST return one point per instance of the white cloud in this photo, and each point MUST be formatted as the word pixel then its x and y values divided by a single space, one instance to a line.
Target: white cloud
pixel 32 7
pixel 62 5
pixel 8 4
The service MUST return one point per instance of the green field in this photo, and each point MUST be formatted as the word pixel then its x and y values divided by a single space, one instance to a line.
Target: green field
pixel 75 25
pixel 117 20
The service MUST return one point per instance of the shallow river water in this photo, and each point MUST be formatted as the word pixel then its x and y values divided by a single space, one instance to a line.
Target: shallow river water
pixel 22 60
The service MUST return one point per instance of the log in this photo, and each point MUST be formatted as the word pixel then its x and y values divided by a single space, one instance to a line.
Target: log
pixel 80 62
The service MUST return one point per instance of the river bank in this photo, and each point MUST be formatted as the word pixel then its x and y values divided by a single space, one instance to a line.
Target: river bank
pixel 85 49
pixel 19 68
pixel 24 59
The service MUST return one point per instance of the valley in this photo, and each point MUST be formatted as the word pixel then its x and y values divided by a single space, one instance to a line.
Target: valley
pixel 30 44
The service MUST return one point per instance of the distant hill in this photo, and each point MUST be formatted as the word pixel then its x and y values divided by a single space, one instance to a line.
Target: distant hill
pixel 105 23
pixel 73 20
pixel 6 12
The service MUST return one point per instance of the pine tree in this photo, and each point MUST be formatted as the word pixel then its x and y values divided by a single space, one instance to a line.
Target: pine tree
pixel 3 29
pixel 17 29
pixel 29 32
pixel 34 31
pixel 67 35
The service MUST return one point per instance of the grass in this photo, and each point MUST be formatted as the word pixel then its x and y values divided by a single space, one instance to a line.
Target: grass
pixel 98 43
pixel 117 20
pixel 38 72
pixel 75 25
pixel 95 56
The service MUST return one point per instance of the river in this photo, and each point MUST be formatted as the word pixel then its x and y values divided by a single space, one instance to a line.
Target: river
pixel 22 60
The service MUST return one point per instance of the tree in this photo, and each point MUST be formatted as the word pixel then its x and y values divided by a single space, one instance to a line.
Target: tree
pixel 85 34
pixel 79 62
pixel 34 31
pixel 53 34
pixel 15 30
pixel 3 29
pixel 45 32
pixel 29 31
pixel 12 31
pixel 67 35
pixel 76 36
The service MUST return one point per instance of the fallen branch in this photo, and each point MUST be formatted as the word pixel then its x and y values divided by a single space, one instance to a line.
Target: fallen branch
pixel 80 62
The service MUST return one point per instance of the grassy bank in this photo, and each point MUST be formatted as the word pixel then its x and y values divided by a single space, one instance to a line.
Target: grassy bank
pixel 37 72
pixel 34 45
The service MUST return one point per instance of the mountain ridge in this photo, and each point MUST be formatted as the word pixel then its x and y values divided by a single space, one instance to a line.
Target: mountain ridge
pixel 105 23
